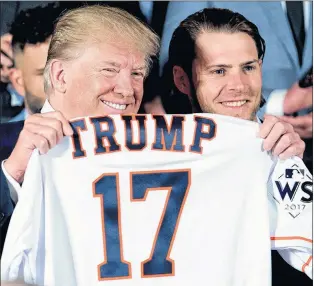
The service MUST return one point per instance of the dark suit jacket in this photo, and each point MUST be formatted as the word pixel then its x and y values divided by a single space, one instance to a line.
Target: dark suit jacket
pixel 9 133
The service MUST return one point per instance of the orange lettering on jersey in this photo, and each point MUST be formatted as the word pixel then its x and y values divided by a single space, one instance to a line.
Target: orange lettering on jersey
pixel 104 138
pixel 130 143
pixel 169 138
pixel 78 126
pixel 200 133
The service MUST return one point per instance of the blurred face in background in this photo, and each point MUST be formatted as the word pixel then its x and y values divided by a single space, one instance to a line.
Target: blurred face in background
pixel 27 76
pixel 226 74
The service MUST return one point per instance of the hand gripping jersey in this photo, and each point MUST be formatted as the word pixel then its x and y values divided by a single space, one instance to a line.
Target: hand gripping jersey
pixel 159 200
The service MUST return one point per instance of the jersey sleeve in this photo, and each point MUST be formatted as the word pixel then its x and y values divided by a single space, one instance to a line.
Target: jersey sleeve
pixel 23 252
pixel 290 192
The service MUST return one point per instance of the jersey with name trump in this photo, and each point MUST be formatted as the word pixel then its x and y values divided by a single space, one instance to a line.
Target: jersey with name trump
pixel 159 200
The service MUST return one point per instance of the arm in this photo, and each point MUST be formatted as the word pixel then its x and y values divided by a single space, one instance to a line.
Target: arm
pixel 290 206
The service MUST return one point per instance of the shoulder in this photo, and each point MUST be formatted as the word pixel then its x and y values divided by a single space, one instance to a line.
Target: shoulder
pixel 9 133
pixel 11 128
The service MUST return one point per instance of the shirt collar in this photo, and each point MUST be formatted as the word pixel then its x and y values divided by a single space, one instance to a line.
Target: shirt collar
pixel 47 107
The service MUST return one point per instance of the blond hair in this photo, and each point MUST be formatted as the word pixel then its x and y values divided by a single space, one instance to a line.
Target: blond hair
pixel 78 27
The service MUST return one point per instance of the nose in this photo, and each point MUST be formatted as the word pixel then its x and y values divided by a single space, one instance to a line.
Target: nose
pixel 124 85
pixel 236 82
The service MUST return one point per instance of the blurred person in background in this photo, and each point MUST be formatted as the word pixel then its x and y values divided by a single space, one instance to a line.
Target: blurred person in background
pixel 11 102
pixel 31 32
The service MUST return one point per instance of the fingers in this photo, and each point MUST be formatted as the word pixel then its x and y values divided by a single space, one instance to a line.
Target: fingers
pixel 44 137
pixel 280 137
pixel 51 126
pixel 6 38
pixel 302 124
pixel 6 41
pixel 290 144
pixel 54 119
pixel 267 125
pixel 271 130
pixel 299 121
pixel 5 61
pixel 297 98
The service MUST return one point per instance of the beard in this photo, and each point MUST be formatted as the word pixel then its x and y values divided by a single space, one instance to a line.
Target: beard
pixel 33 102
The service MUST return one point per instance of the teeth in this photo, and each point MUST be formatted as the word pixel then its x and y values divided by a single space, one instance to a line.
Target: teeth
pixel 115 105
pixel 234 103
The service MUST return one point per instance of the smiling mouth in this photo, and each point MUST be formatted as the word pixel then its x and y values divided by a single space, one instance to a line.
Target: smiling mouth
pixel 115 105
pixel 234 103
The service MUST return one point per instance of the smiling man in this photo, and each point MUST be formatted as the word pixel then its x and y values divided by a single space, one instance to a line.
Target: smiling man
pixel 220 66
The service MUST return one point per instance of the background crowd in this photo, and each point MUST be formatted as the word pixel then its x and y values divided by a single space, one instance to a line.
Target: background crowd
pixel 287 28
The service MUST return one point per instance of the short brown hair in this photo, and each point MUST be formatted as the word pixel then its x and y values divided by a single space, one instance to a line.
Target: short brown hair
pixel 182 45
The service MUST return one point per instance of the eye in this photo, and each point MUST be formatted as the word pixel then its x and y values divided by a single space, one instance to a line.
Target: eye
pixel 219 71
pixel 138 75
pixel 249 68
pixel 110 70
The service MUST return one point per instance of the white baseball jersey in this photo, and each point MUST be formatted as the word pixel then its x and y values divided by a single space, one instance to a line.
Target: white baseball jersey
pixel 159 200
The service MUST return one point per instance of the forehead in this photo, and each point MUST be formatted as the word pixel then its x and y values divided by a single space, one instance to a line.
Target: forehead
pixel 36 54
pixel 123 54
pixel 222 46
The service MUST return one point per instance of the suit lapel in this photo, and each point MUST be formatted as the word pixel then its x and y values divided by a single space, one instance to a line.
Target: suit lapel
pixel 280 25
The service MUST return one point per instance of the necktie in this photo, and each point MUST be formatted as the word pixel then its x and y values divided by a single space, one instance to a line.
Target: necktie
pixel 296 20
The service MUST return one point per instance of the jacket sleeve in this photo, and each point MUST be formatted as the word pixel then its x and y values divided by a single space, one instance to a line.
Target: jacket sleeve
pixel 6 204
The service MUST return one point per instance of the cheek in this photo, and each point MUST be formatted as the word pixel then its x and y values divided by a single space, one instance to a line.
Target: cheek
pixel 206 92
pixel 138 88
pixel 255 83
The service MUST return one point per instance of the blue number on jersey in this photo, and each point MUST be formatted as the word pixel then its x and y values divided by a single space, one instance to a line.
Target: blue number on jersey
pixel 106 188
pixel 158 264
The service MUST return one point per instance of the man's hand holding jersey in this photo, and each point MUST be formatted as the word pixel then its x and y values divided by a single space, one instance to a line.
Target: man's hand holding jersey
pixel 280 137
pixel 40 131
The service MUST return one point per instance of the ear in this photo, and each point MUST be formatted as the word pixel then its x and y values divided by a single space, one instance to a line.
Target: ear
pixel 181 80
pixel 57 75
pixel 16 78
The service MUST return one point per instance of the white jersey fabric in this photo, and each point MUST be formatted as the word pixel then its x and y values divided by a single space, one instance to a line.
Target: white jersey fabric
pixel 198 204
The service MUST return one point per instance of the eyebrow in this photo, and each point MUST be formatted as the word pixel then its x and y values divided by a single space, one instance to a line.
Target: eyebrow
pixel 111 63
pixel 140 68
pixel 118 65
pixel 230 66
pixel 249 62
